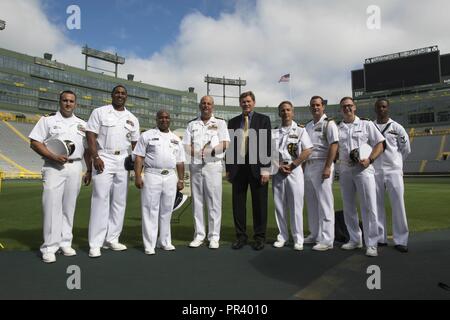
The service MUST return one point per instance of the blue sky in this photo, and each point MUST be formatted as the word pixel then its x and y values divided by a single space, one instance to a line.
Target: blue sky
pixel 176 43
pixel 139 26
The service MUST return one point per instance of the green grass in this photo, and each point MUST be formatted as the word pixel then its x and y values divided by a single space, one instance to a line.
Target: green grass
pixel 427 205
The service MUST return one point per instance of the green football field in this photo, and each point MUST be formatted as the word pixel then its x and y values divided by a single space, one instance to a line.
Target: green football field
pixel 427 204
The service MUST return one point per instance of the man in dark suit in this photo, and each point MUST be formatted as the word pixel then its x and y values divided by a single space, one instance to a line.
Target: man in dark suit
pixel 248 163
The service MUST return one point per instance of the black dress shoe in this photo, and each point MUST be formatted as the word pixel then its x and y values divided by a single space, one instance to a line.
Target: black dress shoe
pixel 238 244
pixel 401 248
pixel 382 244
pixel 258 245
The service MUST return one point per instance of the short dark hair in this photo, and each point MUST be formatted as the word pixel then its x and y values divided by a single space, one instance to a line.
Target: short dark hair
pixel 316 97
pixel 67 92
pixel 119 86
pixel 346 98
pixel 382 99
pixel 285 102
pixel 247 94
pixel 161 111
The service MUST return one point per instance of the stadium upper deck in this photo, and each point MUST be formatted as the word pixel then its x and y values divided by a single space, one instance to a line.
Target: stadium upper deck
pixel 32 85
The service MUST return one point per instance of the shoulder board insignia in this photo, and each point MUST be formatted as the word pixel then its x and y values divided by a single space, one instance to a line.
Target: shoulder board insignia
pixel 329 119
pixel 50 114
pixel 309 121
pixel 300 126
pixel 192 120
pixel 365 119
pixel 219 118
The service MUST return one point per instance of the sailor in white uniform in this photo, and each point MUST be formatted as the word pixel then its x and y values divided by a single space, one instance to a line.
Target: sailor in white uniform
pixel 294 147
pixel 319 175
pixel 162 155
pixel 389 176
pixel 205 141
pixel 61 174
pixel 112 131
pixel 358 176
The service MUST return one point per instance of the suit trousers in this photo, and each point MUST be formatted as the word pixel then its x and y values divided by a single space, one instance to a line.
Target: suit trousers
pixel 259 192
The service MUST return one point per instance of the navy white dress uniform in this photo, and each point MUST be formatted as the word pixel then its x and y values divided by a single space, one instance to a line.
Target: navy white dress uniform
pixel 61 182
pixel 318 191
pixel 206 177
pixel 288 190
pixel 389 177
pixel 115 130
pixel 354 178
pixel 161 151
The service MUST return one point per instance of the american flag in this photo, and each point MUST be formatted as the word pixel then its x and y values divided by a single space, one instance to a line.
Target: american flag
pixel 285 78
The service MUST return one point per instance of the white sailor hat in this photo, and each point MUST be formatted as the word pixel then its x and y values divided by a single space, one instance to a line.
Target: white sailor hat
pixel 363 152
pixel 60 147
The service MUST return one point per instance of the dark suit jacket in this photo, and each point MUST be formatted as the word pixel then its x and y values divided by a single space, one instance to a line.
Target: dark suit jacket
pixel 258 121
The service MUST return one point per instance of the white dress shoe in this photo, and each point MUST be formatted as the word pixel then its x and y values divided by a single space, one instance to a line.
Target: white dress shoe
pixel 169 247
pixel 95 252
pixel 214 244
pixel 371 252
pixel 150 251
pixel 279 244
pixel 309 240
pixel 196 243
pixel 115 246
pixel 298 247
pixel 68 251
pixel 48 257
pixel 351 246
pixel 322 247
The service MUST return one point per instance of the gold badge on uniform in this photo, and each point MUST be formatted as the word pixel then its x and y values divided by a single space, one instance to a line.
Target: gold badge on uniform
pixel 213 127
pixel 293 136
pixel 292 148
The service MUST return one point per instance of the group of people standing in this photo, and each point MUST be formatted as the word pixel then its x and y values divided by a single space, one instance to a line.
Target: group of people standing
pixel 301 161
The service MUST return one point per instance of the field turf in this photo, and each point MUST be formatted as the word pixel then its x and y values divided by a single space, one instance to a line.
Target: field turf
pixel 427 205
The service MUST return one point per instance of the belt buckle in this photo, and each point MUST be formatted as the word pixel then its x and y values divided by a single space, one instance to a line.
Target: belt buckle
pixel 116 153
pixel 165 172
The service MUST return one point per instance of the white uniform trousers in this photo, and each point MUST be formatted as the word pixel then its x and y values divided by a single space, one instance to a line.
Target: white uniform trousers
pixel 288 198
pixel 108 204
pixel 59 197
pixel 206 187
pixel 157 200
pixel 320 201
pixel 392 182
pixel 356 180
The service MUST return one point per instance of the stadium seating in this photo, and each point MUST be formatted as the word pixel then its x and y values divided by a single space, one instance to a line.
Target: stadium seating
pixel 17 150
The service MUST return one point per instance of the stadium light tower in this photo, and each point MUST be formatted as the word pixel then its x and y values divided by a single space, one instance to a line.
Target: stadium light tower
pixel 2 24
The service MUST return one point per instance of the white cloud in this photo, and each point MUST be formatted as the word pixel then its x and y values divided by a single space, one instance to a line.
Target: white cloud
pixel 28 30
pixel 318 43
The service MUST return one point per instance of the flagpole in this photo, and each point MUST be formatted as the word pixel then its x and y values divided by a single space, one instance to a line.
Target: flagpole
pixel 290 88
